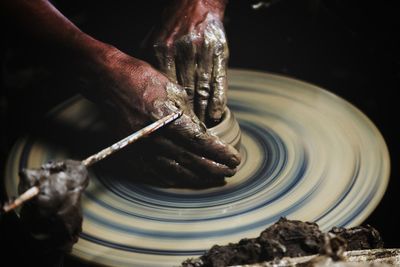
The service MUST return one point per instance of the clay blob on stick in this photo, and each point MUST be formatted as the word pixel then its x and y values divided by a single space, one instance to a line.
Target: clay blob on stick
pixel 54 217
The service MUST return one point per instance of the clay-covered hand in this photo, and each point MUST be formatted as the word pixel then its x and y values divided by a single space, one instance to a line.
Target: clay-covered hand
pixel 136 93
pixel 190 47
pixel 184 150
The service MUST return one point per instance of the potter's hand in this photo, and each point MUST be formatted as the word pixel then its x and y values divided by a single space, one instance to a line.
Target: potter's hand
pixel 136 92
pixel 184 150
pixel 190 47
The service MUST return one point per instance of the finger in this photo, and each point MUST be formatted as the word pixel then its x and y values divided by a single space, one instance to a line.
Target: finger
pixel 144 166
pixel 179 176
pixel 149 173
pixel 188 132
pixel 192 161
pixel 203 79
pixel 162 164
pixel 219 86
pixel 165 57
pixel 186 65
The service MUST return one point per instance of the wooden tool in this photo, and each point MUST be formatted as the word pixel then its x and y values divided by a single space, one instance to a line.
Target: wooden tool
pixel 33 191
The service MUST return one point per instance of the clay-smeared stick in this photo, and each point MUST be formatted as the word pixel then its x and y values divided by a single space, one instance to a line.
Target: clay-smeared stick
pixel 33 191
pixel 28 194
pixel 130 139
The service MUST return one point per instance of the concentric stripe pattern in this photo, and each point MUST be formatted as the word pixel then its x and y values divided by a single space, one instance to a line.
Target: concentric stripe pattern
pixel 307 154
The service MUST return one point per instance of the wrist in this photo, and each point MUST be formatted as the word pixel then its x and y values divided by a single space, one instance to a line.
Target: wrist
pixel 216 6
pixel 91 64
pixel 200 7
pixel 114 75
pixel 92 54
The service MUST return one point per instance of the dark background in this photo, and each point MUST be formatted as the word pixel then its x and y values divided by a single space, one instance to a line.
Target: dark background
pixel 347 47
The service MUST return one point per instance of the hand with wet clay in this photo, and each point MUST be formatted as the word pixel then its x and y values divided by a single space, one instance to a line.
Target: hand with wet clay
pixel 134 93
pixel 184 150
pixel 190 47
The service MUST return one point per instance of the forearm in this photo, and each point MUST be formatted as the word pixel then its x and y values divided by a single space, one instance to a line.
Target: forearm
pixel 57 43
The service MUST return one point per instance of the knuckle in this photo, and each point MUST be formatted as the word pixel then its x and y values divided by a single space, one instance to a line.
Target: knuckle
pixel 185 42
pixel 203 94
pixel 219 98
pixel 189 92
pixel 203 77
pixel 220 79
pixel 219 85
pixel 221 49
pixel 206 43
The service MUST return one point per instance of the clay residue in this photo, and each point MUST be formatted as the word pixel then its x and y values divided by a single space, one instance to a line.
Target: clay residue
pixel 361 237
pixel 288 238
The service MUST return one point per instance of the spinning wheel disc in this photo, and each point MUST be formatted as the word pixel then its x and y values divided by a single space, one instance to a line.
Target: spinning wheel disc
pixel 307 155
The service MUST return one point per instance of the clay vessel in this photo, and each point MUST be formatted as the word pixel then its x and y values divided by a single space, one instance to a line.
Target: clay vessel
pixel 228 129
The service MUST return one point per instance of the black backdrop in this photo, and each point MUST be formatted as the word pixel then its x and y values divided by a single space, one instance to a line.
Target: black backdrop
pixel 347 47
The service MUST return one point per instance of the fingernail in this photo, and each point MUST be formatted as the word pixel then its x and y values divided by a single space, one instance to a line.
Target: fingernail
pixel 230 172
pixel 236 158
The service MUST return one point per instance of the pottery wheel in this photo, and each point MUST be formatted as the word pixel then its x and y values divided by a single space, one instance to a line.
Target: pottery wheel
pixel 308 155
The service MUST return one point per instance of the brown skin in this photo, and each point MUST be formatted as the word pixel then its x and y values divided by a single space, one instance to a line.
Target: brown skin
pixel 190 47
pixel 185 150
pixel 134 92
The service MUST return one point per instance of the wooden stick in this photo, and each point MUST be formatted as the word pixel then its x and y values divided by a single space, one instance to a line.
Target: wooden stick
pixel 28 194
pixel 33 191
pixel 130 139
